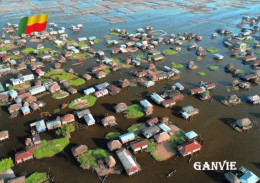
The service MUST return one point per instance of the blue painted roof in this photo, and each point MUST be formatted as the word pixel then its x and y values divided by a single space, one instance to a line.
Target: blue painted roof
pixel 25 109
pixel 12 93
pixel 1 87
pixel 40 126
pixel 102 86
pixel 89 118
pixel 249 177
pixel 127 136
pixel 191 134
pixel 164 127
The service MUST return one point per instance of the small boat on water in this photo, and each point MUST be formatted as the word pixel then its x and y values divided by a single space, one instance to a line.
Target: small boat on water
pixel 171 173
pixel 190 158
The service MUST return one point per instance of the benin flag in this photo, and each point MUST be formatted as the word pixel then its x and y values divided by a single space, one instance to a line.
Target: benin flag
pixel 36 23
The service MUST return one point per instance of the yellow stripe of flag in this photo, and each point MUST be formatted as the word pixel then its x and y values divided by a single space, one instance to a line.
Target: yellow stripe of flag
pixel 37 19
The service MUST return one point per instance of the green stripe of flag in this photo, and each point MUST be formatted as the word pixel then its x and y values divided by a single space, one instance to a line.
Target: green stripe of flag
pixel 22 26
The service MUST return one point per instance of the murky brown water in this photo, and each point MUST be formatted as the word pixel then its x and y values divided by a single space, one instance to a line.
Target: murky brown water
pixel 220 141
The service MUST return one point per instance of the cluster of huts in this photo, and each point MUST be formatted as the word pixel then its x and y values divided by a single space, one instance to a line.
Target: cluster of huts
pixel 158 131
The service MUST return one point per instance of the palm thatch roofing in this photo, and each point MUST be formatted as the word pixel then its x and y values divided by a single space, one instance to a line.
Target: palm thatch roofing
pixel 67 118
pixel 244 122
pixel 114 145
pixel 124 83
pixel 110 161
pixel 34 106
pixel 4 134
pixel 78 150
pixel 29 99
pixel 14 107
pixel 162 137
pixel 109 121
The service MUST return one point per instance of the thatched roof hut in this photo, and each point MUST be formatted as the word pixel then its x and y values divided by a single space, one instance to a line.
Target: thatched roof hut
pixel 14 107
pixel 34 106
pixel 4 98
pixel 151 67
pixel 124 83
pixel 57 65
pixel 165 120
pixel 110 161
pixel 28 142
pixel 121 107
pixel 78 150
pixel 148 110
pixel 109 121
pixel 244 123
pixel 162 137
pixel 114 145
pixel 229 67
pixel 37 82
pixel 4 134
pixel 67 118
pixel 30 99
pixel 235 82
pixel 87 77
pixel 72 90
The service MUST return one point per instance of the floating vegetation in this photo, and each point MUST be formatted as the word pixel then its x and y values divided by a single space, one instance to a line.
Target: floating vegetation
pixel 212 50
pixel 202 73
